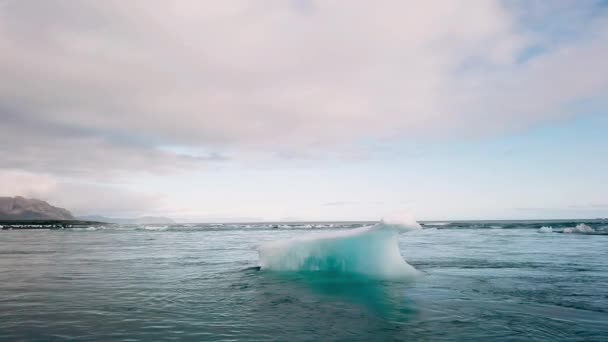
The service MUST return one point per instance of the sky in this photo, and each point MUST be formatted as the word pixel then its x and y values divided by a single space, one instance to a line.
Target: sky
pixel 306 110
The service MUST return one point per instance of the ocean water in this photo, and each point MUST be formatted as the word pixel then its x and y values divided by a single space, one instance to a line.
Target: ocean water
pixel 490 281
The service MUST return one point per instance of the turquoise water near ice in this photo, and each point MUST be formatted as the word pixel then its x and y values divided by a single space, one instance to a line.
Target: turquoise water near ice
pixel 501 281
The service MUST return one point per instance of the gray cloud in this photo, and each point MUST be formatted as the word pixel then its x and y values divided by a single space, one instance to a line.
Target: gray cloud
pixel 39 146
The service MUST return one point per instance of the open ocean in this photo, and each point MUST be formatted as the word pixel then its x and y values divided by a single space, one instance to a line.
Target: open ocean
pixel 487 281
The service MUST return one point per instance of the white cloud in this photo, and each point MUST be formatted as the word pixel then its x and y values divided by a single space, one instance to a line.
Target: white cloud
pixel 98 86
pixel 17 182
pixel 278 76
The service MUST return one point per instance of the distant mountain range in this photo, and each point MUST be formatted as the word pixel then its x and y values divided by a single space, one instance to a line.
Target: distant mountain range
pixel 138 220
pixel 20 208
pixel 28 209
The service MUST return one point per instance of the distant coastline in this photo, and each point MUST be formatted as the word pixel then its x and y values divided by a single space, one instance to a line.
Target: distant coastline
pixel 46 224
pixel 31 213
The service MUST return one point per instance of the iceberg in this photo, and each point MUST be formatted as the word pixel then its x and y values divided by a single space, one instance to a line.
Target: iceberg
pixel 371 251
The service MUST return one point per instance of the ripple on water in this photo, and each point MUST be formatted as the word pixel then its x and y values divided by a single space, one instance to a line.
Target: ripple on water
pixel 492 284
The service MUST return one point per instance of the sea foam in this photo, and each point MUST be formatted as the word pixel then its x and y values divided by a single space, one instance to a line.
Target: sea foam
pixel 580 228
pixel 371 251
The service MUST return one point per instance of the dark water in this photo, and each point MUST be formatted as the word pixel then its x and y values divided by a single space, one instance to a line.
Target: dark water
pixel 492 281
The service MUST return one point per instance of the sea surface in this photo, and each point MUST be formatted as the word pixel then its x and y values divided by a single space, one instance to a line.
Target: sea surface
pixel 486 281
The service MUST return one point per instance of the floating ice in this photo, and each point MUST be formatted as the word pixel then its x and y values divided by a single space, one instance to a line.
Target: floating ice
pixel 372 251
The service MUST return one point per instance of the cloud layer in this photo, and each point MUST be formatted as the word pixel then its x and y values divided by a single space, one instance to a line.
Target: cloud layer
pixel 98 89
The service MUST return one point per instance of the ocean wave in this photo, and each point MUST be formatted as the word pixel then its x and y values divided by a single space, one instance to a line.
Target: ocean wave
pixel 591 227
pixel 155 228
pixel 599 226
pixel 87 229
pixel 579 229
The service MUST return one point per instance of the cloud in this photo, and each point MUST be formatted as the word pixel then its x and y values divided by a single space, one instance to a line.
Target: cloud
pixel 17 182
pixel 572 207
pixel 339 203
pixel 106 200
pixel 351 203
pixel 100 199
pixel 93 89
pixel 589 206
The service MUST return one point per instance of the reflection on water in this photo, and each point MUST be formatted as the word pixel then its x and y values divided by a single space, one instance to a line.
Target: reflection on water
pixel 311 305
pixel 387 299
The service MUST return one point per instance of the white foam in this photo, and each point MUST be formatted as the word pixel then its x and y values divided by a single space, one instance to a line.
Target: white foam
pixel 401 221
pixel 155 228
pixel 372 251
pixel 545 229
pixel 580 228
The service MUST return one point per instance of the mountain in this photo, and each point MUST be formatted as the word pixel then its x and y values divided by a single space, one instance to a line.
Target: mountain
pixel 20 208
pixel 138 220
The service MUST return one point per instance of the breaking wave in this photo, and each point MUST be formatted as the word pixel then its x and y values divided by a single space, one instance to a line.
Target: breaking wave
pixel 579 229
pixel 371 251
pixel 591 226
pixel 436 223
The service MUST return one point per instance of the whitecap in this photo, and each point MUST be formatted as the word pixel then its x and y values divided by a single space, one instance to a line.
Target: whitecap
pixel 155 228
pixel 580 228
